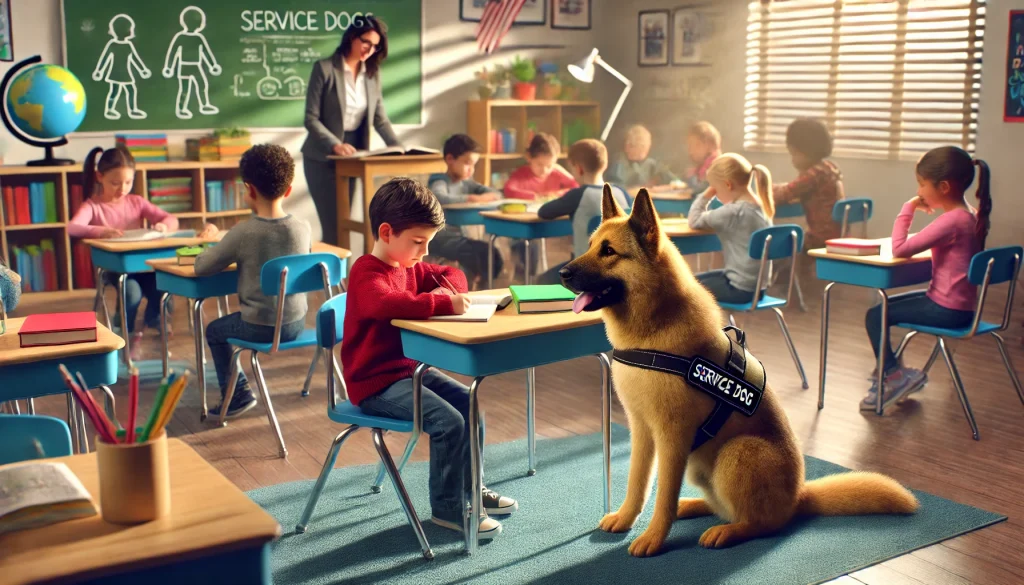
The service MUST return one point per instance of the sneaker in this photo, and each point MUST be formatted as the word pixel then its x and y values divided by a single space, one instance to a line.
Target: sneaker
pixel 898 385
pixel 136 346
pixel 489 527
pixel 242 401
pixel 495 503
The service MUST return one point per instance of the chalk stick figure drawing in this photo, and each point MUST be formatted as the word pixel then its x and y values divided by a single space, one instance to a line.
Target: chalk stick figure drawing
pixel 116 64
pixel 188 57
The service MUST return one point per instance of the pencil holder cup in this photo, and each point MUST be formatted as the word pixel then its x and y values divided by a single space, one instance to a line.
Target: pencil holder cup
pixel 134 480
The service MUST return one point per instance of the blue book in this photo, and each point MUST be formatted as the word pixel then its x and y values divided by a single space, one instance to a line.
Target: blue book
pixel 35 203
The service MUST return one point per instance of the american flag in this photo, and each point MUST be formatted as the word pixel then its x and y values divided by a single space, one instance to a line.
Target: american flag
pixel 497 19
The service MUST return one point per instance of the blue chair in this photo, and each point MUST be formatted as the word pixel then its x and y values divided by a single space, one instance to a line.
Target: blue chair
pixel 329 330
pixel 287 275
pixel 774 243
pixel 857 210
pixel 25 437
pixel 994 266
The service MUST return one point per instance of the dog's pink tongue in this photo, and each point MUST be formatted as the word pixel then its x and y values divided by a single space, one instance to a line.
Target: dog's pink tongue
pixel 581 302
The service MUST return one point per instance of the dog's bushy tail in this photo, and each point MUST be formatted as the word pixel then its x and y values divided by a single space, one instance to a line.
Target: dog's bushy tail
pixel 855 493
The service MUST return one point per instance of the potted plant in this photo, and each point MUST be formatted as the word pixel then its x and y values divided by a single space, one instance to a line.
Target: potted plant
pixel 502 80
pixel 551 86
pixel 570 89
pixel 486 88
pixel 525 72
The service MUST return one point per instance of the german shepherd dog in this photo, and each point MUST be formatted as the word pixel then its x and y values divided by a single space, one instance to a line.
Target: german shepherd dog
pixel 752 471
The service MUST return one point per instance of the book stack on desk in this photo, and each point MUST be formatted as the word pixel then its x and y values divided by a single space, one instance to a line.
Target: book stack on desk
pixel 542 298
pixel 854 246
pixel 58 329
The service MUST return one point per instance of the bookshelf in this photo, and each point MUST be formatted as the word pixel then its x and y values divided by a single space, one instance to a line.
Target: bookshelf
pixel 64 177
pixel 567 121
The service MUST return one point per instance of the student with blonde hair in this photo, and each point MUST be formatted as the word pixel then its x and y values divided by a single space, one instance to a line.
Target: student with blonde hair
pixel 743 212
pixel 634 166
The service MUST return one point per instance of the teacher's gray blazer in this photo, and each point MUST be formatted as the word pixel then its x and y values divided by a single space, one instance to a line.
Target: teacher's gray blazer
pixel 325 107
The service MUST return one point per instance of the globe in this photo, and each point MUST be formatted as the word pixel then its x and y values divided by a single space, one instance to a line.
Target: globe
pixel 46 101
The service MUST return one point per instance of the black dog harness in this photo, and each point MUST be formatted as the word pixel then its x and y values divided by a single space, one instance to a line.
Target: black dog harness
pixel 727 383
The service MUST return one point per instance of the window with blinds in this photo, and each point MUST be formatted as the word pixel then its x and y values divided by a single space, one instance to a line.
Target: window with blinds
pixel 891 78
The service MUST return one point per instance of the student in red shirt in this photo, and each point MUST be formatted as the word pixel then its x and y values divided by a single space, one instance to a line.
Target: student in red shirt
pixel 393 282
pixel 541 177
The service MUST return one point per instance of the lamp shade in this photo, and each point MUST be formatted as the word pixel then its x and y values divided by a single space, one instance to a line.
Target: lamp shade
pixel 584 70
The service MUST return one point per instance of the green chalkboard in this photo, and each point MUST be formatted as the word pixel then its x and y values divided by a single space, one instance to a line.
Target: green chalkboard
pixel 254 57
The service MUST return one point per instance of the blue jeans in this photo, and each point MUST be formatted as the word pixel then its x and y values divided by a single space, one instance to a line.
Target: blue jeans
pixel 446 420
pixel 137 286
pixel 723 291
pixel 233 327
pixel 912 307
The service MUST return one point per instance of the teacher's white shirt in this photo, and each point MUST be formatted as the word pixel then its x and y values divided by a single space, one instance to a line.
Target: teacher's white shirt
pixel 355 97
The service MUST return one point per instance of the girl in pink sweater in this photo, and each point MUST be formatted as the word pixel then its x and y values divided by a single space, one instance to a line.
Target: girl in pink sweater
pixel 541 177
pixel 943 175
pixel 108 210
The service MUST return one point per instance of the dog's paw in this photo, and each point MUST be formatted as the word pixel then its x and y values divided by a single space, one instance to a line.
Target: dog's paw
pixel 616 522
pixel 722 536
pixel 647 544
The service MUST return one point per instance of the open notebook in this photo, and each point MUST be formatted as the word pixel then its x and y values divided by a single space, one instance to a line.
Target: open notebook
pixel 480 311
pixel 143 235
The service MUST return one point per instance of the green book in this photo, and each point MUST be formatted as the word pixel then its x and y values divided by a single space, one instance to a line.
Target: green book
pixel 187 255
pixel 541 298
pixel 50 202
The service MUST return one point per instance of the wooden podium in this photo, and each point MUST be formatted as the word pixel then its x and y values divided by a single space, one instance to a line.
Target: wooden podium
pixel 367 169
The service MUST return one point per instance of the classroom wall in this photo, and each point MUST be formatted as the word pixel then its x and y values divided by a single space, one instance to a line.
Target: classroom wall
pixel 669 99
pixel 450 60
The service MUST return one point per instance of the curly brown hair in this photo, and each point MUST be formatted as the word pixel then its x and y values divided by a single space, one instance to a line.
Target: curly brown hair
pixel 269 169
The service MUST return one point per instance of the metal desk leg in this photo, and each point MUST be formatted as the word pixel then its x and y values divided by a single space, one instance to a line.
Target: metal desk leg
pixel 531 415
pixel 823 359
pixel 165 357
pixel 882 344
pixel 121 280
pixel 31 405
pixel 199 336
pixel 472 520
pixel 526 261
pixel 606 427
pixel 490 261
pixel 102 302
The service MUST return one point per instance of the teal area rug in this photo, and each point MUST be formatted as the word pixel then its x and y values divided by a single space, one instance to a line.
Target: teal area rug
pixel 359 537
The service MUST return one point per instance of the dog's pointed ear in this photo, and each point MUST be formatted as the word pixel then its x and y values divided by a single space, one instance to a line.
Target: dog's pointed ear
pixel 609 206
pixel 644 221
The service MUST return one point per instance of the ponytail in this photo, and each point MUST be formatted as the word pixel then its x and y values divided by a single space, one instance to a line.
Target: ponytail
pixel 110 159
pixel 89 173
pixel 984 202
pixel 764 189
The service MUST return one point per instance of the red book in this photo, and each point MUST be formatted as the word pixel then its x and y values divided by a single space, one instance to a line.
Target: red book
pixel 9 204
pixel 58 329
pixel 21 202
pixel 76 198
pixel 50 268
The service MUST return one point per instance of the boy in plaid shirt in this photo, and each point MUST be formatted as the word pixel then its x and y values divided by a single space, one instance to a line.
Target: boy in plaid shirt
pixel 819 184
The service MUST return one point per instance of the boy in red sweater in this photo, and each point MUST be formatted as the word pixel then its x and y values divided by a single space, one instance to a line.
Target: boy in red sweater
pixel 393 282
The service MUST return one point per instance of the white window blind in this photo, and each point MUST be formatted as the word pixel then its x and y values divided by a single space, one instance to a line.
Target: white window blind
pixel 890 78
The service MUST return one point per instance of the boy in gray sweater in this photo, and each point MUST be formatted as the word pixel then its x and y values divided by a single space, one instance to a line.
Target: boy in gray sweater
pixel 267 171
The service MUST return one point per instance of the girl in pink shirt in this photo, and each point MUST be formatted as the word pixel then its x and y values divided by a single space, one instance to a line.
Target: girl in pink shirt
pixel 943 175
pixel 541 177
pixel 108 210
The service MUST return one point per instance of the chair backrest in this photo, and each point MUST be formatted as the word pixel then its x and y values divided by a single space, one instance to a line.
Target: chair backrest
pixel 300 273
pixel 330 327
pixel 774 243
pixel 995 266
pixel 856 210
pixel 28 436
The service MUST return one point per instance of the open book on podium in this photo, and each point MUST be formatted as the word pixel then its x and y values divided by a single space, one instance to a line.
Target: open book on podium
pixel 389 151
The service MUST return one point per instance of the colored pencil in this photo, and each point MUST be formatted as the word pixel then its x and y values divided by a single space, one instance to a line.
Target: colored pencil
pixel 87 406
pixel 161 394
pixel 170 403
pixel 133 406
pixel 102 415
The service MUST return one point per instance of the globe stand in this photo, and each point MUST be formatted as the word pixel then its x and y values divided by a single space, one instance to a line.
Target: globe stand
pixel 49 160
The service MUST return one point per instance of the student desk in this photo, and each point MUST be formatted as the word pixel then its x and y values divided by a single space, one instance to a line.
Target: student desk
pixel 182 281
pixel 215 535
pixel 125 258
pixel 877 272
pixel 367 168
pixel 466 214
pixel 525 226
pixel 689 240
pixel 32 371
pixel 508 342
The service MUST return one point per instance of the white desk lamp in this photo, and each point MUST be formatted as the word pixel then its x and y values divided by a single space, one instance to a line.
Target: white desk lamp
pixel 584 71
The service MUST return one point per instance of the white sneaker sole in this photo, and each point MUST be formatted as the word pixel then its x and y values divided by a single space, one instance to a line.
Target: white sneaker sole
pixel 482 534
pixel 502 511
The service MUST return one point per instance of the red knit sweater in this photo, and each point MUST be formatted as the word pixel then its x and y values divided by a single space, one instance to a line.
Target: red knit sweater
pixel 371 354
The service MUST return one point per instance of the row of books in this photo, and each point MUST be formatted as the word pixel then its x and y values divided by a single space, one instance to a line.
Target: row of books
pixel 37 265
pixel 28 204
pixel 172 194
pixel 213 148
pixel 503 141
pixel 225 195
pixel 144 147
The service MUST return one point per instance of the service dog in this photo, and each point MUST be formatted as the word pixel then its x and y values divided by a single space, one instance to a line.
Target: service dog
pixel 752 471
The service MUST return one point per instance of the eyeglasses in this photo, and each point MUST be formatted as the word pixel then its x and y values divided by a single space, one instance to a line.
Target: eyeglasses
pixel 373 47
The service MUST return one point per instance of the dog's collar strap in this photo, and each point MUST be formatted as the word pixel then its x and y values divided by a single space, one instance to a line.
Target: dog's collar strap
pixel 726 383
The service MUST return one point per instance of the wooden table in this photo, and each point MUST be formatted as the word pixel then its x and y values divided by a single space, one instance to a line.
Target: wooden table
pixel 367 169
pixel 174 279
pixel 32 371
pixel 526 226
pixel 215 534
pixel 878 272
pixel 468 214
pixel 688 239
pixel 507 342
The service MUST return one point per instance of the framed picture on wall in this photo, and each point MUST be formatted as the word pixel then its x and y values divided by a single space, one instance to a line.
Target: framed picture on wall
pixel 652 33
pixel 471 10
pixel 689 32
pixel 570 14
pixel 6 45
pixel 534 12
pixel 1013 99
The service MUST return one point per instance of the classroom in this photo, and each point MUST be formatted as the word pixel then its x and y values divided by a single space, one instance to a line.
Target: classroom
pixel 590 247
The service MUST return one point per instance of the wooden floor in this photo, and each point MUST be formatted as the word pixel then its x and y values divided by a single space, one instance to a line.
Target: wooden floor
pixel 924 443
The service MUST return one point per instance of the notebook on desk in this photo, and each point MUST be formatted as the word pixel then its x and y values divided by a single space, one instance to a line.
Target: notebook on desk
pixel 477 313
pixel 139 235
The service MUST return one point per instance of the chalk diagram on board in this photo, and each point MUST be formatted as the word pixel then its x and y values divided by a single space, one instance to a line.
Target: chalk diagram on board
pixel 189 57
pixel 280 79
pixel 115 66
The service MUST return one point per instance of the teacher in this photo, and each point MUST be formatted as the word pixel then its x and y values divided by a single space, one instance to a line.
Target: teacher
pixel 342 99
